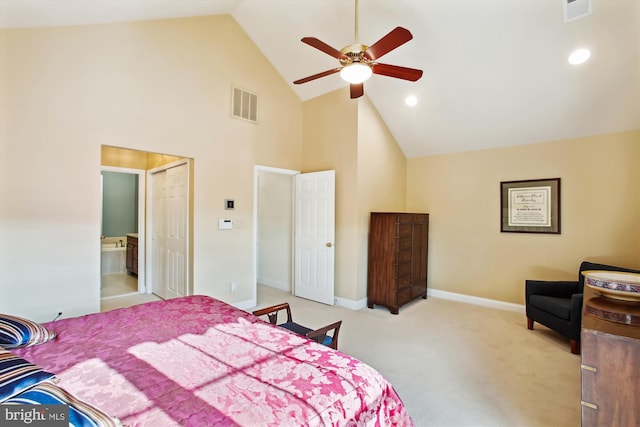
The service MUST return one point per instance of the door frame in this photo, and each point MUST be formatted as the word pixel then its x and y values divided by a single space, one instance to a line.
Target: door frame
pixel 149 221
pixel 256 170
pixel 142 176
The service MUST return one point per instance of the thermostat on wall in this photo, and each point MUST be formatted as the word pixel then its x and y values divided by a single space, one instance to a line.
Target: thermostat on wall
pixel 225 224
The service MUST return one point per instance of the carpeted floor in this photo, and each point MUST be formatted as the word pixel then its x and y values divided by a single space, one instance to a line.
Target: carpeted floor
pixel 453 364
pixel 456 364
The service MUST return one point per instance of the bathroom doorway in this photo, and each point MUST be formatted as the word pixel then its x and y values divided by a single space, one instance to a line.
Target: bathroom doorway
pixel 123 212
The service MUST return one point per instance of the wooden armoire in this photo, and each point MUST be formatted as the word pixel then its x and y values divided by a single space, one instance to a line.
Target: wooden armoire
pixel 398 258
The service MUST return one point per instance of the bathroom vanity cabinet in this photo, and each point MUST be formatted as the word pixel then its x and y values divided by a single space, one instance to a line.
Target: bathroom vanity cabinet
pixel 132 254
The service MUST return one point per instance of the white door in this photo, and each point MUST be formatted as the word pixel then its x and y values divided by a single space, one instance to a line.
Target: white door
pixel 169 194
pixel 314 236
pixel 158 234
pixel 177 187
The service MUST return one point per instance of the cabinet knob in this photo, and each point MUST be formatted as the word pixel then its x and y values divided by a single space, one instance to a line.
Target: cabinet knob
pixel 329 245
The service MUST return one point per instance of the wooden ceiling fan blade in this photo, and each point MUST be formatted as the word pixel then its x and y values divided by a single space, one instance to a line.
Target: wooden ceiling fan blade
pixel 404 73
pixel 396 37
pixel 320 45
pixel 317 76
pixel 357 90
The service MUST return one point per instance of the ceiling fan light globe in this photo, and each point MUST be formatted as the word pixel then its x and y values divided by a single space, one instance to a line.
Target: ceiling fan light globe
pixel 356 72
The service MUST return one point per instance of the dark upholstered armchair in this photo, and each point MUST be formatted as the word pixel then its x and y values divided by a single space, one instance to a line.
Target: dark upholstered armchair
pixel 558 304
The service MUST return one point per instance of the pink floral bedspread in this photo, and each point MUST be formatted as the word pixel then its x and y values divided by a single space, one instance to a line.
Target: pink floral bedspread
pixel 197 361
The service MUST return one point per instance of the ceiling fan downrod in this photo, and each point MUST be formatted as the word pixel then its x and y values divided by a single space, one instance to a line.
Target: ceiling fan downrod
pixel 355 35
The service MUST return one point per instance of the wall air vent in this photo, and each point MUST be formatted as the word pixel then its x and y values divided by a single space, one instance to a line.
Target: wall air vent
pixel 244 105
pixel 574 9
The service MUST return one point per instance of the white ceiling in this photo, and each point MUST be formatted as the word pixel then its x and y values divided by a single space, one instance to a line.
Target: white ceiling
pixel 495 71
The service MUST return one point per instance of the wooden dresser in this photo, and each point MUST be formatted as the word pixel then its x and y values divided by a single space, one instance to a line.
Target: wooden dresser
pixel 398 255
pixel 610 342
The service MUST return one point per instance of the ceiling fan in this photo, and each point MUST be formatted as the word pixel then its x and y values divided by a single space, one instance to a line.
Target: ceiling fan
pixel 358 61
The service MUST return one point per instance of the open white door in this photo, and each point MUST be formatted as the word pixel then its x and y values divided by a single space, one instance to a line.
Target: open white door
pixel 169 230
pixel 158 233
pixel 177 185
pixel 315 236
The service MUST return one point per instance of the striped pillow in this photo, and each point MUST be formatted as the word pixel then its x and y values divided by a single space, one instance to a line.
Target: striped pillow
pixel 80 413
pixel 18 332
pixel 17 375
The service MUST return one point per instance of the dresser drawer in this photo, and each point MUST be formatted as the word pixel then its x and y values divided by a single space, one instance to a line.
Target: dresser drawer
pixel 404 296
pixel 404 230
pixel 403 281
pixel 404 218
pixel 404 270
pixel 404 256
pixel 404 243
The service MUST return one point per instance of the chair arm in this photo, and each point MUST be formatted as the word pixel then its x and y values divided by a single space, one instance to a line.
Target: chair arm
pixel 272 312
pixel 318 334
pixel 576 308
pixel 562 289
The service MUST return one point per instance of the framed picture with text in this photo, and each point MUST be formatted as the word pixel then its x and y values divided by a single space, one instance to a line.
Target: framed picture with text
pixel 530 206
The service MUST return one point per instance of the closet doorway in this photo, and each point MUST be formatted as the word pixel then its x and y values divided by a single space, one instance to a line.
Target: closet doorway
pixel 273 216
pixel 294 222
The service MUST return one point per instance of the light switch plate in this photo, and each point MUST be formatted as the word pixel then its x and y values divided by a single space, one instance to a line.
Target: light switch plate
pixel 225 224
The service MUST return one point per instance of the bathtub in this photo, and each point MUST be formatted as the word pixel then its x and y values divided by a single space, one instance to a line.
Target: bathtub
pixel 113 257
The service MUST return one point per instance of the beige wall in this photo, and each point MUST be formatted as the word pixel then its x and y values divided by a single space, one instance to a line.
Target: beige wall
pixel 600 209
pixel 158 86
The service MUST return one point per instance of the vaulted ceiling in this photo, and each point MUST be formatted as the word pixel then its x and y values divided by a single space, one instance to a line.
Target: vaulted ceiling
pixel 495 71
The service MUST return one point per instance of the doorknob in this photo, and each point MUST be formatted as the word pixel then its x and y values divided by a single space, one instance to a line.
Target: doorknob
pixel 329 245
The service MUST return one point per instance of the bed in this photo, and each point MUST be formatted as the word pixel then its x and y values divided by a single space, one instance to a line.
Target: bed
pixel 197 361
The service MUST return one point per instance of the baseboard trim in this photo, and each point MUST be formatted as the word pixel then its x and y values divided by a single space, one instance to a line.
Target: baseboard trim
pixel 244 305
pixel 286 287
pixel 436 293
pixel 485 302
pixel 351 304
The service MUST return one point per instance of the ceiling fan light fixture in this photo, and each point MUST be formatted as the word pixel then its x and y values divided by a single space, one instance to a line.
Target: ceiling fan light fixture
pixel 356 72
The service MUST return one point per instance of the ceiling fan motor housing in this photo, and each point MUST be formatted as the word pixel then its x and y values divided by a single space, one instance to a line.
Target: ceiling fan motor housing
pixel 354 53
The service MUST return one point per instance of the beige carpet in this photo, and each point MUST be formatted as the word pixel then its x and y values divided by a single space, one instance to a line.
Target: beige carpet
pixel 453 364
pixel 456 364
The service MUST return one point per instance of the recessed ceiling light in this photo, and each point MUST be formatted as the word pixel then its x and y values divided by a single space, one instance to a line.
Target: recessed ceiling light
pixel 579 56
pixel 411 100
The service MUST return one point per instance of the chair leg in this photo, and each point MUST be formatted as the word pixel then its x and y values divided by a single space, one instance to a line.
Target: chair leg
pixel 529 323
pixel 575 346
